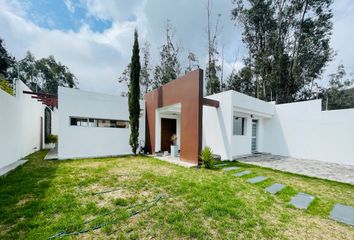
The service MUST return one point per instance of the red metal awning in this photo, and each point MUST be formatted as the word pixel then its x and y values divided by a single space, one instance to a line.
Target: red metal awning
pixel 50 100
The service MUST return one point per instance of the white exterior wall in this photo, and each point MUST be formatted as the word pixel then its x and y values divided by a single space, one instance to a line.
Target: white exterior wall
pixel 302 130
pixel 82 142
pixel 55 121
pixel 20 125
pixel 250 108
pixel 217 125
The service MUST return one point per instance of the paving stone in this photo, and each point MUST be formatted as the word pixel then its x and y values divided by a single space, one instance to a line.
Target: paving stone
pixel 240 174
pixel 302 200
pixel 221 164
pixel 343 213
pixel 276 187
pixel 257 179
pixel 230 169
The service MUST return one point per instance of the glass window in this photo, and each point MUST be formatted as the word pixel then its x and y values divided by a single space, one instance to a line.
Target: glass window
pixel 92 122
pixel 239 125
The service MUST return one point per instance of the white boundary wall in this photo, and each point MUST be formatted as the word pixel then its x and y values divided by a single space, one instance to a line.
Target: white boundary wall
pixel 82 142
pixel 20 119
pixel 303 130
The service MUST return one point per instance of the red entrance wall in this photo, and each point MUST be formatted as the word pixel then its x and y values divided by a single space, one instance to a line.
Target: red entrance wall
pixel 187 90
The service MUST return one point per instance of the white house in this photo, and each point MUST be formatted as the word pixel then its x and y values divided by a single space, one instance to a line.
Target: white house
pixel 94 124
pixel 23 124
pixel 232 124
pixel 243 125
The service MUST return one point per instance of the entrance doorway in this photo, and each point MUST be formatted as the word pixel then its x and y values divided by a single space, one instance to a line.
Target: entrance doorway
pixel 254 135
pixel 168 128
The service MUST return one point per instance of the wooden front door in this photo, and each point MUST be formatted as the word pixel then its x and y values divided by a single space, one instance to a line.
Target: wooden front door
pixel 168 128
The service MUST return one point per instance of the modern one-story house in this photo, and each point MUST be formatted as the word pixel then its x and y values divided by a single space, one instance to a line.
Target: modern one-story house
pixel 231 123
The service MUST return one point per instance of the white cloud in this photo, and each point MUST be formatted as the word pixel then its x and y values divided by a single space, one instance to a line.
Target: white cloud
pixel 97 58
pixel 69 5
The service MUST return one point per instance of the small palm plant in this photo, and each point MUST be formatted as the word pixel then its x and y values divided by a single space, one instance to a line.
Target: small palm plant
pixel 207 157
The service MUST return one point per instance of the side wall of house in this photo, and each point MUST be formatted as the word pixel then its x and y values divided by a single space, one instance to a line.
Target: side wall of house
pixel 302 130
pixel 249 108
pixel 217 125
pixel 20 125
pixel 81 142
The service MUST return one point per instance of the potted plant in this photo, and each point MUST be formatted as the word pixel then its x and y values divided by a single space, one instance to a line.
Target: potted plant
pixel 174 147
pixel 50 141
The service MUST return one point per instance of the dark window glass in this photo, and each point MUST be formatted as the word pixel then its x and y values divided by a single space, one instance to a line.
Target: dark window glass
pixel 91 122
pixel 239 126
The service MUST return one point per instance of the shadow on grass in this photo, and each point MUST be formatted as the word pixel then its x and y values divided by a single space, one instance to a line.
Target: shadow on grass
pixel 21 195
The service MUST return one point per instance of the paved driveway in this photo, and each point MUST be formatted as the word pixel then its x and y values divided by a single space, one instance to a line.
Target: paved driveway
pixel 312 168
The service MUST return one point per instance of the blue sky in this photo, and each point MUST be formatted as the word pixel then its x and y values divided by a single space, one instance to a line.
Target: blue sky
pixel 94 37
pixel 64 15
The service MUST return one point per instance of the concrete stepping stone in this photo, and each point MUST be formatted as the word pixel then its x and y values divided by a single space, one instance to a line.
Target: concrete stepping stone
pixel 275 188
pixel 343 213
pixel 230 169
pixel 221 164
pixel 257 179
pixel 240 174
pixel 302 200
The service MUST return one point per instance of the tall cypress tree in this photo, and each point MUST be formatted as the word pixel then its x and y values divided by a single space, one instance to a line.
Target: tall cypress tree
pixel 134 95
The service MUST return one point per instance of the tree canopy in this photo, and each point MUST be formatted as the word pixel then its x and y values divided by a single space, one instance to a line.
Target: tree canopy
pixel 288 44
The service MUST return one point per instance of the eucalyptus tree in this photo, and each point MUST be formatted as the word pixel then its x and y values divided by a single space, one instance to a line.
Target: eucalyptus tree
pixel 288 44
pixel 169 67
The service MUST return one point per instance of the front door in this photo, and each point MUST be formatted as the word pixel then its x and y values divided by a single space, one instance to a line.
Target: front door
pixel 254 135
pixel 168 128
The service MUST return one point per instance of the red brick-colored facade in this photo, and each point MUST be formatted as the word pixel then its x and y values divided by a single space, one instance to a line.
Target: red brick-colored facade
pixel 188 91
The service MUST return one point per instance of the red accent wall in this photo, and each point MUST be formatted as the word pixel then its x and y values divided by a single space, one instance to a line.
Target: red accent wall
pixel 187 90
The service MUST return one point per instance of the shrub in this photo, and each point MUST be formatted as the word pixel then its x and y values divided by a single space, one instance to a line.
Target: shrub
pixel 51 138
pixel 4 85
pixel 207 157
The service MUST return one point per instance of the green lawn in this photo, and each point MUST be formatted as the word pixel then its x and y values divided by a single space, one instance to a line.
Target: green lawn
pixel 144 198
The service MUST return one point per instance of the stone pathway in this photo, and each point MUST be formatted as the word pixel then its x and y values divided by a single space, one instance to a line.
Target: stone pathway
pixel 343 213
pixel 331 171
pixel 302 200
pixel 52 154
pixel 240 174
pixel 230 169
pixel 275 188
pixel 221 165
pixel 340 213
pixel 257 179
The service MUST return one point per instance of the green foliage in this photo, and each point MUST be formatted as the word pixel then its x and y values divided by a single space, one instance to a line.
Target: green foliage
pixel 340 93
pixel 169 68
pixel 4 85
pixel 6 61
pixel 192 61
pixel 242 82
pixel 213 82
pixel 145 73
pixel 288 44
pixel 44 194
pixel 207 157
pixel 134 95
pixel 43 75
pixel 51 138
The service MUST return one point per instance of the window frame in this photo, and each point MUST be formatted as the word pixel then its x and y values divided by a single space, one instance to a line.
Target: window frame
pixel 92 122
pixel 243 125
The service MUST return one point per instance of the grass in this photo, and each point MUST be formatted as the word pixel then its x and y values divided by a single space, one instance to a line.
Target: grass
pixel 43 198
